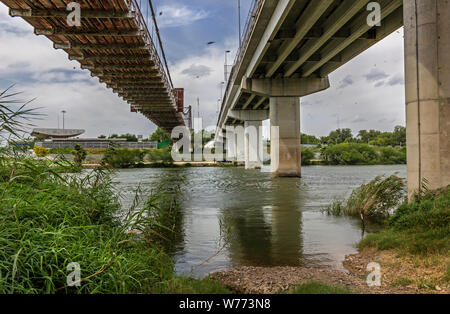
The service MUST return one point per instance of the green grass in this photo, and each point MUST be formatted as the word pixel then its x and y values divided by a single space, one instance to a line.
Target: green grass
pixel 318 288
pixel 50 219
pixel 371 202
pixel 420 227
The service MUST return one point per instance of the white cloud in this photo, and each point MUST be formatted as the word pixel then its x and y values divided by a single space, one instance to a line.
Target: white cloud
pixel 176 16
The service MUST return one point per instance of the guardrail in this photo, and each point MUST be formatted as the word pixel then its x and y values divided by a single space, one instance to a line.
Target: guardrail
pixel 153 49
pixel 250 23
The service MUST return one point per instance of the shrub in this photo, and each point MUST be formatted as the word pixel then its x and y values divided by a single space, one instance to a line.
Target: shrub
pixel 160 155
pixel 79 154
pixel 122 157
pixel 349 154
pixel 41 151
pixel 419 227
pixel 307 156
pixel 374 201
pixel 392 156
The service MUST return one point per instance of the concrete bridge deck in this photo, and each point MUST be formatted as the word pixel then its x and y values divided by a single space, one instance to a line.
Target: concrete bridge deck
pixel 291 46
pixel 114 44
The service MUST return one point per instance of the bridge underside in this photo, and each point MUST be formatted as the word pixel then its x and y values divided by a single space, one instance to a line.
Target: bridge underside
pixel 114 44
pixel 290 48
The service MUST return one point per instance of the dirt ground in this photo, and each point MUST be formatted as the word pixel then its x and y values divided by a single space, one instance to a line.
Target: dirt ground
pixel 405 275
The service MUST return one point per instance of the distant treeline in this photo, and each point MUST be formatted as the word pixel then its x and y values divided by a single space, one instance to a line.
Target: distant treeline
pixel 371 137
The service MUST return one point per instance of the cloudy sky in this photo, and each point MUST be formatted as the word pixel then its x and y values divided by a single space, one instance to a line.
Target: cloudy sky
pixel 367 93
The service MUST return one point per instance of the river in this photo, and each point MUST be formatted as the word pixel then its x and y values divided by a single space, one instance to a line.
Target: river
pixel 266 222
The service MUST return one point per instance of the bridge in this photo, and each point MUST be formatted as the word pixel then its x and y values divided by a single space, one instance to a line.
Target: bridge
pixel 291 46
pixel 113 42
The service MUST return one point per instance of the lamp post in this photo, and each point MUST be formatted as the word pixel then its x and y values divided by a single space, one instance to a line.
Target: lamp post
pixel 226 65
pixel 239 17
pixel 63 112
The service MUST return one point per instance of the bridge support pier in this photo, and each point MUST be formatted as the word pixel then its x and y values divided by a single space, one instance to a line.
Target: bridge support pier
pixel 235 143
pixel 253 144
pixel 285 147
pixel 427 76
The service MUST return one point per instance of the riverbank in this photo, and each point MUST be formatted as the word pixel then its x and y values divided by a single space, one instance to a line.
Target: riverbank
pixel 400 275
pixel 64 233
pixel 412 252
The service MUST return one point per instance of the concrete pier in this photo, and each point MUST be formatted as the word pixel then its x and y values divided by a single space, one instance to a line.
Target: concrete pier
pixel 427 75
pixel 253 144
pixel 285 147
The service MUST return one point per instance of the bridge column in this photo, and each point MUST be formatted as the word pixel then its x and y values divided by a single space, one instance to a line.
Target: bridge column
pixel 253 144
pixel 235 143
pixel 285 148
pixel 427 75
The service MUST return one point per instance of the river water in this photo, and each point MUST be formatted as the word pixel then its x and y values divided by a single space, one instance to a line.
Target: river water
pixel 264 221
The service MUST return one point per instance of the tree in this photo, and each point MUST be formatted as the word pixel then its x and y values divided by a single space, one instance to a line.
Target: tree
pixel 160 136
pixel 102 136
pixel 309 139
pixel 338 136
pixel 79 154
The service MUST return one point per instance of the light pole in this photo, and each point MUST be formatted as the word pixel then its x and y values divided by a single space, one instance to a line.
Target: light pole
pixel 239 17
pixel 226 65
pixel 63 112
pixel 221 89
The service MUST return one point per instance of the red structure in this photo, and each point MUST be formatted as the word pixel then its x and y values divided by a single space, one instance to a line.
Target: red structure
pixel 179 97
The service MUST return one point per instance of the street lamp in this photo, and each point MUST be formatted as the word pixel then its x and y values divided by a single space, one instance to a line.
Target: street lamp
pixel 226 65
pixel 63 112
pixel 239 17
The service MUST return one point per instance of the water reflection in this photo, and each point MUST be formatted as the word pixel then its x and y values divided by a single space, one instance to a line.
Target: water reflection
pixel 271 221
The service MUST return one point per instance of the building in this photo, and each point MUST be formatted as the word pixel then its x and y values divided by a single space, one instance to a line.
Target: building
pixel 95 143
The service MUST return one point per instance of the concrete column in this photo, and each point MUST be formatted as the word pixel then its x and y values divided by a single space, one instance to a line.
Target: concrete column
pixel 427 80
pixel 253 145
pixel 285 149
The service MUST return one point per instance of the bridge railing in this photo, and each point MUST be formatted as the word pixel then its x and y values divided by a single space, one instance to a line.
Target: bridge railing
pixel 250 24
pixel 135 6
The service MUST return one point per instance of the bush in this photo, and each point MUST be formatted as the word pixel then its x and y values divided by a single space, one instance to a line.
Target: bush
pixel 374 201
pixel 419 227
pixel 160 155
pixel 49 222
pixel 349 154
pixel 307 156
pixel 392 156
pixel 123 158
pixel 41 151
pixel 79 154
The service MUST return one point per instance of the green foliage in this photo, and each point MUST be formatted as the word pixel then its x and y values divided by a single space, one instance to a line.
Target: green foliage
pixel 49 221
pixel 373 201
pixel 79 154
pixel 128 137
pixel 419 227
pixel 338 136
pixel 371 137
pixel 318 288
pixel 123 158
pixel 392 156
pixel 309 139
pixel 14 117
pixel 160 155
pixel 41 151
pixel 349 154
pixel 307 156
pixel 362 154
pixel 160 136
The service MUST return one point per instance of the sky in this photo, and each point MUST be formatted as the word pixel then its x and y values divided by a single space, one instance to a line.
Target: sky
pixel 366 93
